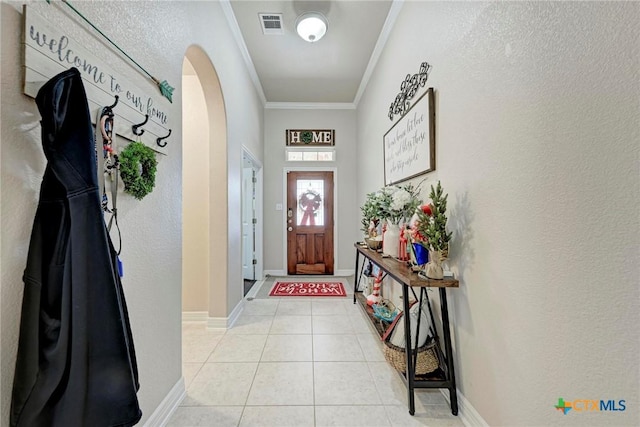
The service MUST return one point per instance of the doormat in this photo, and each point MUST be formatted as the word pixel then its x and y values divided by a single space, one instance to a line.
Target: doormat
pixel 308 289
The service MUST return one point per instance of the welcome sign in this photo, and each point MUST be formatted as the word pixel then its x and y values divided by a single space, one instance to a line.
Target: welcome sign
pixel 48 50
pixel 311 137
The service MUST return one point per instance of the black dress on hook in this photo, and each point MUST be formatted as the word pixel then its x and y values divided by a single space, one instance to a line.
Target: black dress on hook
pixel 76 364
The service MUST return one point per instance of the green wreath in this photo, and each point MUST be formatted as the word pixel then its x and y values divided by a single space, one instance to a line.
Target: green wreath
pixel 306 137
pixel 138 169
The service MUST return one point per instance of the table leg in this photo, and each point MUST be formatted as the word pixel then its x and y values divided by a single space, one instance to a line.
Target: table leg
pixel 451 374
pixel 407 340
pixel 356 281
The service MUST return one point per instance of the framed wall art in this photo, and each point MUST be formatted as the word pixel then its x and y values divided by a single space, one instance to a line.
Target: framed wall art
pixel 409 146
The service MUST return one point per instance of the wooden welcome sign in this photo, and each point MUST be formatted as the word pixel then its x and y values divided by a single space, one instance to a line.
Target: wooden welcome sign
pixel 311 137
pixel 49 51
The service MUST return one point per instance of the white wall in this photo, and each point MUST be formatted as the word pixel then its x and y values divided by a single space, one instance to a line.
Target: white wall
pixel 537 130
pixel 276 123
pixel 158 38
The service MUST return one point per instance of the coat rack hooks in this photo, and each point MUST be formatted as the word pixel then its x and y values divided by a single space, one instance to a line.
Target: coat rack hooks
pixel 111 107
pixel 135 128
pixel 160 141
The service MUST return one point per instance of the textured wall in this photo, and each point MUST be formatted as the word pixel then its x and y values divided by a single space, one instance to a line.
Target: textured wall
pixel 537 133
pixel 157 36
pixel 276 122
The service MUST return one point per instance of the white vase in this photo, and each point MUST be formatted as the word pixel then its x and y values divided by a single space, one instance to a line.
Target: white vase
pixel 391 239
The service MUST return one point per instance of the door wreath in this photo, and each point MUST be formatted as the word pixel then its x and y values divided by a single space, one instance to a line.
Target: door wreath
pixel 309 202
pixel 138 169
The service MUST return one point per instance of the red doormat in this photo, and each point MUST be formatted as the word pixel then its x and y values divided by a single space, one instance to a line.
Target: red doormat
pixel 308 289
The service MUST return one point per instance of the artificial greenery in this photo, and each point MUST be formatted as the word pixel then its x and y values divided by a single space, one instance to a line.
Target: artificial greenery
pixel 394 203
pixel 370 212
pixel 138 169
pixel 432 222
pixel 399 203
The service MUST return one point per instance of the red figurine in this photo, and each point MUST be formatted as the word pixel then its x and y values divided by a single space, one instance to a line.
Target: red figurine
pixel 402 248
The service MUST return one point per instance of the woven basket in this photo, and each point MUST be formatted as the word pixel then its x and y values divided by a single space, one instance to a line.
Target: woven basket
pixel 427 359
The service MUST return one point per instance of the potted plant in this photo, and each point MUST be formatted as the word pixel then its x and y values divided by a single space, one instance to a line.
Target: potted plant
pixel 430 231
pixel 372 214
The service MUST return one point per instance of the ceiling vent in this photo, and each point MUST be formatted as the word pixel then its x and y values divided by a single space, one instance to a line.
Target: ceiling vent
pixel 271 23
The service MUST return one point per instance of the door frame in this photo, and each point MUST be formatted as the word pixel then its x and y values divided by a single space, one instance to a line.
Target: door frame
pixel 259 230
pixel 284 210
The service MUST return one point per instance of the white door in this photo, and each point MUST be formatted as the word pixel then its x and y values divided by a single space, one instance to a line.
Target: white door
pixel 248 221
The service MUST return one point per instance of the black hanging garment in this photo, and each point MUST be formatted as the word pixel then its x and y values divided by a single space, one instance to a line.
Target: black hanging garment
pixel 76 363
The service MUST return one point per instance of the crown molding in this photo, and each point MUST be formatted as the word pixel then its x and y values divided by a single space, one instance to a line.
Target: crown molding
pixel 310 106
pixel 237 35
pixel 394 11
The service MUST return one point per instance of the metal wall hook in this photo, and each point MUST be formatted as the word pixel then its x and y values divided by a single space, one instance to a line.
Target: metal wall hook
pixel 159 140
pixel 108 110
pixel 135 128
pixel 111 107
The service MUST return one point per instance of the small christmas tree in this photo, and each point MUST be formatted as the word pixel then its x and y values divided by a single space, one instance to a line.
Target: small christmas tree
pixel 371 214
pixel 432 225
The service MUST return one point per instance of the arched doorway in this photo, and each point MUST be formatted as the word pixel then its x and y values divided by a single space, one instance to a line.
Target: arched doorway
pixel 204 191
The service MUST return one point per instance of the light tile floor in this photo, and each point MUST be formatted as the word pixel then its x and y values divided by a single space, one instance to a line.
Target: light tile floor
pixel 297 362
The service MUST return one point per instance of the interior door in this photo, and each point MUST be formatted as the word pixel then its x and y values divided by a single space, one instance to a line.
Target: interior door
pixel 248 223
pixel 309 222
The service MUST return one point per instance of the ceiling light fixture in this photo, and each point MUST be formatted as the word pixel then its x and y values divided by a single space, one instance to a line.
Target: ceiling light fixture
pixel 311 26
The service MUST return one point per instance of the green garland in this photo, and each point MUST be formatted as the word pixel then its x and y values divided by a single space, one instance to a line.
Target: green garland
pixel 136 156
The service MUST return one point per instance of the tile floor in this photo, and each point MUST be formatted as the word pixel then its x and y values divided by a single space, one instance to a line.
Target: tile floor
pixel 297 362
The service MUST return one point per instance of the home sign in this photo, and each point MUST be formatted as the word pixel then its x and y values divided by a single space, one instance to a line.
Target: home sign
pixel 311 137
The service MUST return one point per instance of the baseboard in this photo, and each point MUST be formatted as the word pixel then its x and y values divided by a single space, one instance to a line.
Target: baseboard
pixel 282 273
pixel 466 412
pixel 277 273
pixel 226 322
pixel 195 316
pixel 343 273
pixel 235 313
pixel 254 289
pixel 168 406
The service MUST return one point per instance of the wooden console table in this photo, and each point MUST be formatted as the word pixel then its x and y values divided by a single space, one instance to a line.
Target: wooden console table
pixel 444 377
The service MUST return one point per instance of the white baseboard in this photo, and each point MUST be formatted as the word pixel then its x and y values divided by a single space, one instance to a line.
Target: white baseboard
pixel 277 273
pixel 343 273
pixel 195 316
pixel 235 313
pixel 255 289
pixel 282 273
pixel 467 413
pixel 168 406
pixel 226 322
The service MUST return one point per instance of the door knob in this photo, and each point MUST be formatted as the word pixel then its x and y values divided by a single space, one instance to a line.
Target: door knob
pixel 290 229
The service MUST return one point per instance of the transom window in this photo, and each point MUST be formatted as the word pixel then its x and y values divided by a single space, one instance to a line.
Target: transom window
pixel 311 155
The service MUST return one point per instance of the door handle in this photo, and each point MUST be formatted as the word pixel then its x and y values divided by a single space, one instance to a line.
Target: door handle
pixel 290 229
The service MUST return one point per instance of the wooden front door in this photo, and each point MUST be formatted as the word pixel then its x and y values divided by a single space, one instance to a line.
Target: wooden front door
pixel 309 223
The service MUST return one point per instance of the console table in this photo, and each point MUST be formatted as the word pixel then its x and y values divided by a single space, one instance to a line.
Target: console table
pixel 444 377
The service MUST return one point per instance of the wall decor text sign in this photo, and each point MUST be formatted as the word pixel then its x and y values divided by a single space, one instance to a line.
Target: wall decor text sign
pixel 409 146
pixel 49 51
pixel 311 137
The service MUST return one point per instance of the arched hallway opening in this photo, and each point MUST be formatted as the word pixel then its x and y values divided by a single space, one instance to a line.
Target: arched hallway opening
pixel 204 189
